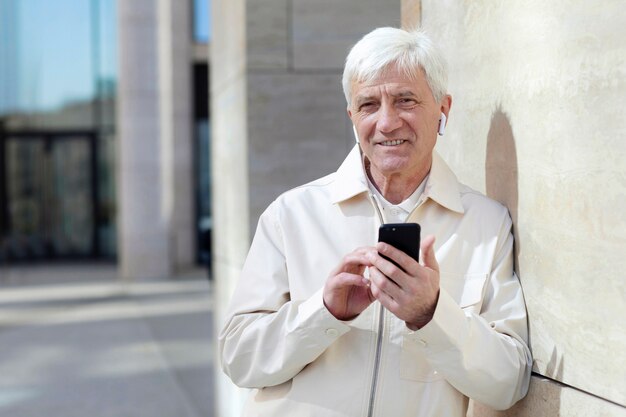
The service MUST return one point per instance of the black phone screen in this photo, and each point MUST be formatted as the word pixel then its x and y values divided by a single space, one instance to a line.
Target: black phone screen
pixel 402 236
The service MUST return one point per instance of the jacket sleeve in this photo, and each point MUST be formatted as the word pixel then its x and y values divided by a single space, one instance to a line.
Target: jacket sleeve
pixel 485 356
pixel 267 337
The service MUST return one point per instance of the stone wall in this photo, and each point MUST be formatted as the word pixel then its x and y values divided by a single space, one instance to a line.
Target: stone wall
pixel 537 122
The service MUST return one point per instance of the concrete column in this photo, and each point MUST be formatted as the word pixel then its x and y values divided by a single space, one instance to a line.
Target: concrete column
pixel 175 116
pixel 229 165
pixel 143 251
pixel 411 14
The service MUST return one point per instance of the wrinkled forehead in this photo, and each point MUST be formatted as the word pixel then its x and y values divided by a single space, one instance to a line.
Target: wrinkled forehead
pixel 394 79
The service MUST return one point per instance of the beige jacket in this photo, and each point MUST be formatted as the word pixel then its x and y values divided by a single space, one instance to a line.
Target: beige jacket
pixel 280 339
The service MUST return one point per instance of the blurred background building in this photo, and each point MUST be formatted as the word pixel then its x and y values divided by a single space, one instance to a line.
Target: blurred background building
pixel 104 133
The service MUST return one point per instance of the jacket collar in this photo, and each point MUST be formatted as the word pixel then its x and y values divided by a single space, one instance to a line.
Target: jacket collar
pixel 350 178
pixel 442 185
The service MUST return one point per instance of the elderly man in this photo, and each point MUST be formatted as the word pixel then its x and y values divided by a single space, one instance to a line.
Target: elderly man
pixel 325 321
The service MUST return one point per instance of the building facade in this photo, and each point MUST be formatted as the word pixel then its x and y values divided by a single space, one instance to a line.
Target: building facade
pixel 104 133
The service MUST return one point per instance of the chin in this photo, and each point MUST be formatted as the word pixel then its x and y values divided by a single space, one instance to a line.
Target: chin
pixel 394 166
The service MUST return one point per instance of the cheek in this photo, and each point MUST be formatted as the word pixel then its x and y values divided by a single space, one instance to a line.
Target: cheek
pixel 366 118
pixel 366 125
pixel 424 127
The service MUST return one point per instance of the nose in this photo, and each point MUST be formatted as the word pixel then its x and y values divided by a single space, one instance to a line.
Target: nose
pixel 388 119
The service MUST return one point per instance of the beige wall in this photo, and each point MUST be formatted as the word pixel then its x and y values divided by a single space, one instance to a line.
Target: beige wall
pixel 538 122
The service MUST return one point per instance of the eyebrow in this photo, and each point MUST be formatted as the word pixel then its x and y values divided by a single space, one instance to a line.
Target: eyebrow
pixel 363 99
pixel 404 93
pixel 400 94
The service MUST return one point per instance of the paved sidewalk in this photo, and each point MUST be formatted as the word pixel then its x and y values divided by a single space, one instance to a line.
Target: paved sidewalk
pixel 76 342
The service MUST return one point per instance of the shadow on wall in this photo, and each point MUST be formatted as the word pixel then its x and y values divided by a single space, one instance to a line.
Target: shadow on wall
pixel 501 177
pixel 501 170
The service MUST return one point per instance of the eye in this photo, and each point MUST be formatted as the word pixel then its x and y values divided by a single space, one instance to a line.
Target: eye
pixel 367 106
pixel 407 102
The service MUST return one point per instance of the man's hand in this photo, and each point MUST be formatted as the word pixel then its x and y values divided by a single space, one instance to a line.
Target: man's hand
pixel 411 291
pixel 347 292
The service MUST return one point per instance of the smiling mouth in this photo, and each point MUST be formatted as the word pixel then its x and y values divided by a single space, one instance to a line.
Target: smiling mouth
pixel 392 142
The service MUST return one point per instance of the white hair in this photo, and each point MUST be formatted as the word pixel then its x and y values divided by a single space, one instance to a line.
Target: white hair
pixel 409 51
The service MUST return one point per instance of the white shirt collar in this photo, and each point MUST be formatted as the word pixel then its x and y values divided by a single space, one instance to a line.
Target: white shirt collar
pixel 397 213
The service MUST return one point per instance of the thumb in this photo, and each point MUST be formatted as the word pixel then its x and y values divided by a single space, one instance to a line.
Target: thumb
pixel 428 253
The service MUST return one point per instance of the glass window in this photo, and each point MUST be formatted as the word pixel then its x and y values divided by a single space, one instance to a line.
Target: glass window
pixel 202 20
pixel 49 204
pixel 58 76
pixel 202 140
pixel 57 63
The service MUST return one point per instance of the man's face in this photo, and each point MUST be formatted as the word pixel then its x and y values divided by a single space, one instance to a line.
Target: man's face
pixel 396 119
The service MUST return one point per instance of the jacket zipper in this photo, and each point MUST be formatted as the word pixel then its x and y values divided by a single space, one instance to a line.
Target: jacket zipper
pixel 381 328
pixel 381 316
pixel 379 345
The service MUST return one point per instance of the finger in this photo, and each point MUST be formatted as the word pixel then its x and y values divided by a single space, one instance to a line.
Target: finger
pixel 383 283
pixel 346 279
pixel 384 298
pixel 358 258
pixel 361 254
pixel 399 257
pixel 403 262
pixel 428 253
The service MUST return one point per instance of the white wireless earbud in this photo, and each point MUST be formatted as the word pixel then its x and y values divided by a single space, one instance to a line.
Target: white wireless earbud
pixel 356 135
pixel 442 124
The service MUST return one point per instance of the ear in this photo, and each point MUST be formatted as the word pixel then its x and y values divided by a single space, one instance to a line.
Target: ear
pixel 356 134
pixel 445 105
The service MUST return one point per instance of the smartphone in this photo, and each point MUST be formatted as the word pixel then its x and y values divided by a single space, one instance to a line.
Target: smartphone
pixel 402 236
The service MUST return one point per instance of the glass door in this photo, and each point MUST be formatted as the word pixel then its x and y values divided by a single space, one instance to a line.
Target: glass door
pixel 49 194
